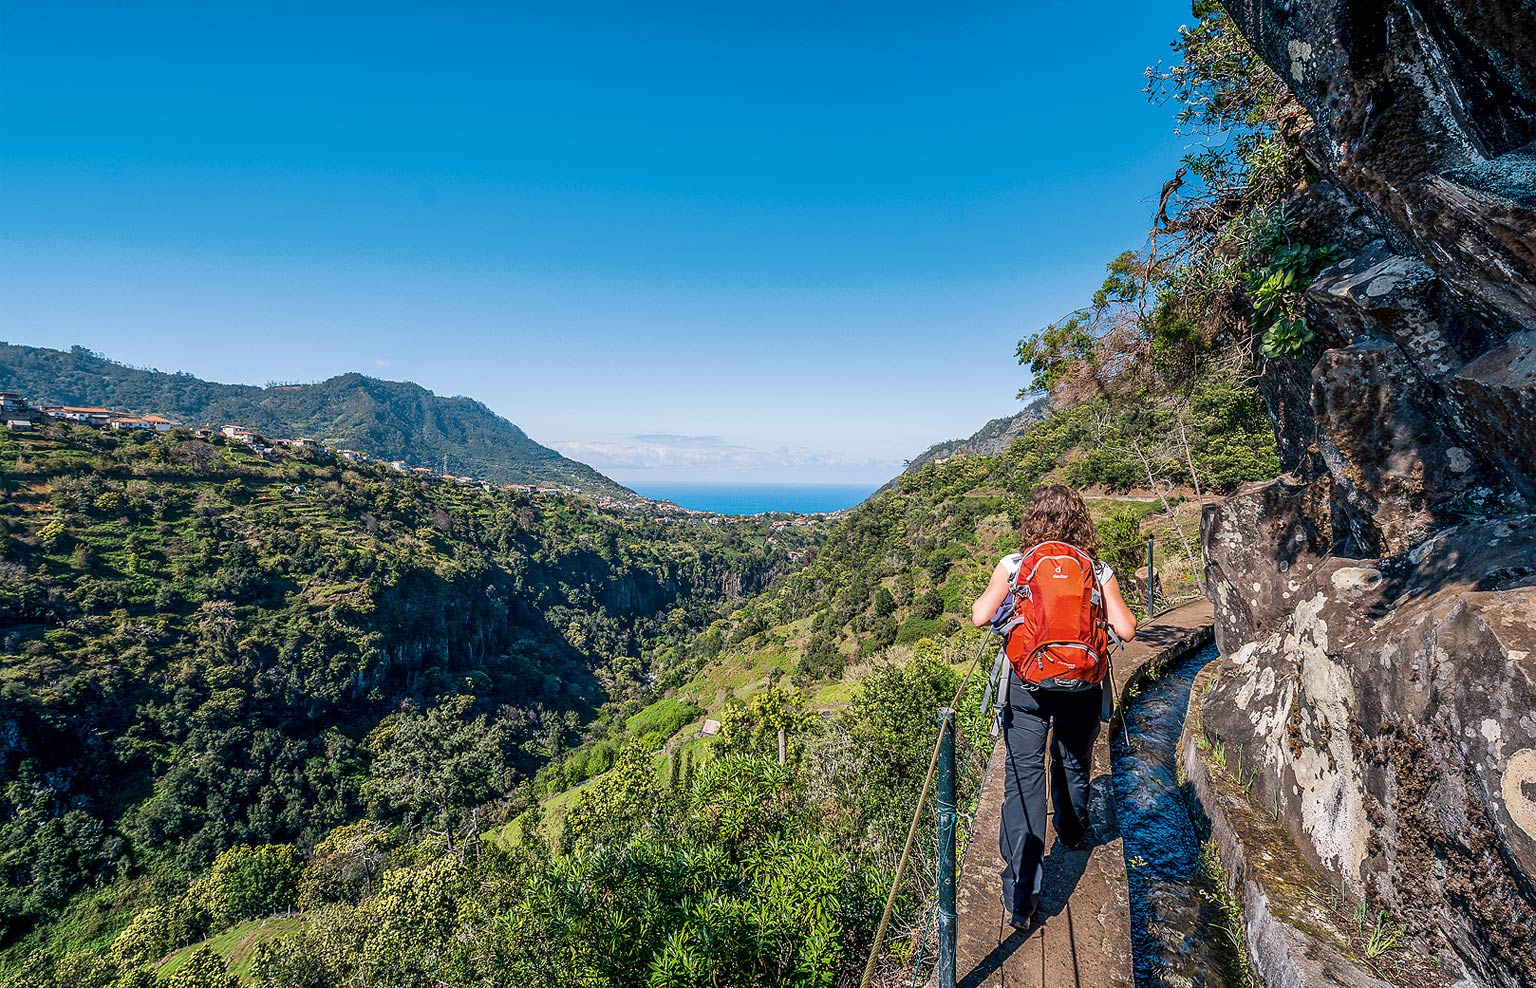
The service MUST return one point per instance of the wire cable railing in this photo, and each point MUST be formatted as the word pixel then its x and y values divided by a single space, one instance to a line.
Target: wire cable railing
pixel 946 731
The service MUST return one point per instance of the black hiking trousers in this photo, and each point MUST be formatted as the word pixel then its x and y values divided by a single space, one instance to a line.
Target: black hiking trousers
pixel 1027 717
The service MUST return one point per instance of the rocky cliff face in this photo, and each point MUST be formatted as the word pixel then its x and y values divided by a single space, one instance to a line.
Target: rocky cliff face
pixel 1377 604
pixel 991 439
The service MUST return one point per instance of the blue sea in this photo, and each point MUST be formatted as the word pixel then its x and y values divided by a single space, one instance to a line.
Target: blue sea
pixel 750 499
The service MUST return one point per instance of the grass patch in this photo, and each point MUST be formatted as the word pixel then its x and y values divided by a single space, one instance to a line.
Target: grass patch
pixel 667 762
pixel 554 808
pixel 738 675
pixel 237 945
pixel 662 719
pixel 1229 922
pixel 833 694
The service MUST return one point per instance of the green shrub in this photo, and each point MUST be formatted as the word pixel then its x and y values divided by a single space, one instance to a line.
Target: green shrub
pixel 246 882
pixel 820 660
pixel 1278 284
pixel 752 728
pixel 1100 467
pixel 85 970
pixel 160 929
pixel 345 865
pixel 890 723
pixel 139 977
pixel 204 969
pixel 611 808
pixel 954 594
pixel 916 628
pixel 598 760
pixel 929 605
pixel 1120 541
pixel 1234 442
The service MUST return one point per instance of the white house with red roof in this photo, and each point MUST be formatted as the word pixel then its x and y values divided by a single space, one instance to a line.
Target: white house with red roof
pixel 146 423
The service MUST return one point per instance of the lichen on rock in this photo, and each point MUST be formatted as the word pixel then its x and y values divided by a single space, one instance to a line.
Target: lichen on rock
pixel 1377 604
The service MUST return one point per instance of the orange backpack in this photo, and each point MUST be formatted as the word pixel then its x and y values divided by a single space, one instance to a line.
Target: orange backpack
pixel 1059 635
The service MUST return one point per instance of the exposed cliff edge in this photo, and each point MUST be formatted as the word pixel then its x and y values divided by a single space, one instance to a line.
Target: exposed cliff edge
pixel 1377 604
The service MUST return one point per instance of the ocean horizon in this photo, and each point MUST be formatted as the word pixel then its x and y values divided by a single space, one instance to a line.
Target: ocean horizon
pixel 751 499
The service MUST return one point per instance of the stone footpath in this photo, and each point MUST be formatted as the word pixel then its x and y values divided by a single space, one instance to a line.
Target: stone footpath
pixel 1084 935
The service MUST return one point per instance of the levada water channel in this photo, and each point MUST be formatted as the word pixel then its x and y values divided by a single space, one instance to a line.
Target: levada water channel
pixel 1177 926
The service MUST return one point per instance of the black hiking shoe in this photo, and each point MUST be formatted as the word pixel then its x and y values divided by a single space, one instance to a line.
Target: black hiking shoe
pixel 1025 919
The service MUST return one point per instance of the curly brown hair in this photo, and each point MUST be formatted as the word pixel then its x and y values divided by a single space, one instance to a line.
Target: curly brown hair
pixel 1057 514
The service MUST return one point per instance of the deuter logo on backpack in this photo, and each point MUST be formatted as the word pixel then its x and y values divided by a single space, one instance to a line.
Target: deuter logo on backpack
pixel 1058 637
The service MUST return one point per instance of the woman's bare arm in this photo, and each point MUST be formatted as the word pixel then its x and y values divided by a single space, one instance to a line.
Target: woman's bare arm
pixel 991 598
pixel 1120 616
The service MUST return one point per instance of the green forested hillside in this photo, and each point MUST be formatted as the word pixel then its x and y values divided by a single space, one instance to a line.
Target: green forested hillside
pixel 201 649
pixel 390 420
pixel 904 565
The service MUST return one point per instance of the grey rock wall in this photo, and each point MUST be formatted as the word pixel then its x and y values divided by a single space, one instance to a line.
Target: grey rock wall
pixel 1376 606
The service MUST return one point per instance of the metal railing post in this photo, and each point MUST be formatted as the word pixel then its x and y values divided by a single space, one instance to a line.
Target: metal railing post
pixel 946 809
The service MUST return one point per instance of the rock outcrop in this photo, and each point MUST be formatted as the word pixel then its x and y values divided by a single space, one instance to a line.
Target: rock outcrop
pixel 991 439
pixel 1376 606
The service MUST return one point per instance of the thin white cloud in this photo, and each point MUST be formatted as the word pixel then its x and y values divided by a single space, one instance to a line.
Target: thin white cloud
pixel 672 452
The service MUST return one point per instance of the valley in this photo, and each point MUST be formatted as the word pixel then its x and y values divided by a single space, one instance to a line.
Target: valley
pixel 211 650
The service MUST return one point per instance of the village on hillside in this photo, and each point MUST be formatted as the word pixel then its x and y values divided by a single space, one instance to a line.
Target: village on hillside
pixel 22 415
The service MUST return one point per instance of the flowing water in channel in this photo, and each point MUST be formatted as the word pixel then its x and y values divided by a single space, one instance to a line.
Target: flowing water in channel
pixel 1174 920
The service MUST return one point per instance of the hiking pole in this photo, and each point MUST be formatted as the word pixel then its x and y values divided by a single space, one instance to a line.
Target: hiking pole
pixel 917 814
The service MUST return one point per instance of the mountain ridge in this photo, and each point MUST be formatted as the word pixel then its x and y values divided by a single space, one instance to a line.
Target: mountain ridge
pixel 392 420
pixel 991 439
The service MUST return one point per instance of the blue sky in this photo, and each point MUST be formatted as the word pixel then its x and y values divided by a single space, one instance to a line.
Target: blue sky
pixel 745 242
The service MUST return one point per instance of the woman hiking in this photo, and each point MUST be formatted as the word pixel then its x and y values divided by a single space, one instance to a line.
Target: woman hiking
pixel 1066 601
